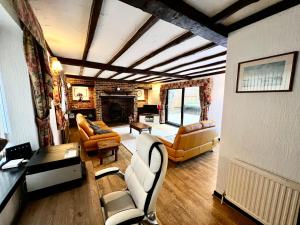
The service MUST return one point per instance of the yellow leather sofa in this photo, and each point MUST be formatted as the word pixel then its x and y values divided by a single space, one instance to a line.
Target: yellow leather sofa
pixel 89 139
pixel 192 140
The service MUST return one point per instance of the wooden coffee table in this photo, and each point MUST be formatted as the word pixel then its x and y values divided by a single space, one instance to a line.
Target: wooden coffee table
pixel 140 127
pixel 105 146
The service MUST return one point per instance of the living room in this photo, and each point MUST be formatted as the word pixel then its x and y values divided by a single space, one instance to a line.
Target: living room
pixel 138 89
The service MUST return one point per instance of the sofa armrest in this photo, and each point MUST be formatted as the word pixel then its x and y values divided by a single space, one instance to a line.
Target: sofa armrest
pixel 165 142
pixel 109 171
pixel 101 136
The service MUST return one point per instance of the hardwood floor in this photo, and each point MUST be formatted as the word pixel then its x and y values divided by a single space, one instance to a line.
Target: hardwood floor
pixel 186 197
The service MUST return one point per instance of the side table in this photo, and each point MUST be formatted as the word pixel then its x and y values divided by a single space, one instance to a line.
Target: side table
pixel 107 145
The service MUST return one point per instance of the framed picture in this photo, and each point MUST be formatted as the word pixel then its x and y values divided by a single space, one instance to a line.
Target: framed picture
pixel 80 93
pixel 140 94
pixel 270 74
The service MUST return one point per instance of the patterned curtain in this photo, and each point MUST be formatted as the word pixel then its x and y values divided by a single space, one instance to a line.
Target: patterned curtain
pixel 38 69
pixel 204 85
pixel 205 98
pixel 163 99
pixel 57 99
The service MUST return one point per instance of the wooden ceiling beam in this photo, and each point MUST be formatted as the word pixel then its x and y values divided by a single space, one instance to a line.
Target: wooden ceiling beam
pixel 183 55
pixel 151 78
pixel 209 74
pixel 143 29
pixel 269 11
pixel 172 80
pixel 185 16
pixel 203 71
pixel 236 6
pixel 160 80
pixel 103 79
pixel 102 66
pixel 93 21
pixel 170 44
pixel 195 61
pixel 49 50
pixel 202 66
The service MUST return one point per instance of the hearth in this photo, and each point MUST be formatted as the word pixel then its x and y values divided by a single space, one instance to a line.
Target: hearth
pixel 117 109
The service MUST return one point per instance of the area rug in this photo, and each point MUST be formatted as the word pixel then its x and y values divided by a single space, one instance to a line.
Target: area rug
pixel 129 139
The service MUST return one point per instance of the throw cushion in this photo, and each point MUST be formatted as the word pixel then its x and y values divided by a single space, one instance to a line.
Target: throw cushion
pixel 98 130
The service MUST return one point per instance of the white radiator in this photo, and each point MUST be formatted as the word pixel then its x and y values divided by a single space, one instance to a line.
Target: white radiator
pixel 270 199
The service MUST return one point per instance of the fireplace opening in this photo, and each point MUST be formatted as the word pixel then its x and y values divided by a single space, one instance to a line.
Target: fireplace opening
pixel 117 109
pixel 116 112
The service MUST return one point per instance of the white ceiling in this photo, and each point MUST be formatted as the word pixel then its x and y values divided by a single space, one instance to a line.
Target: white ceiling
pixel 65 25
pixel 212 7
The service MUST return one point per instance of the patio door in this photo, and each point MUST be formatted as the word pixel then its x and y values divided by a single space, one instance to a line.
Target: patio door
pixel 174 106
pixel 183 106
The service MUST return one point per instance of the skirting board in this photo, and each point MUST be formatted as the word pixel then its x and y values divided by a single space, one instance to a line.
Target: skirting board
pixel 230 204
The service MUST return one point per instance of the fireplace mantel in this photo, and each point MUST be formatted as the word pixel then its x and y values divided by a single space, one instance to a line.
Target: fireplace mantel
pixel 117 96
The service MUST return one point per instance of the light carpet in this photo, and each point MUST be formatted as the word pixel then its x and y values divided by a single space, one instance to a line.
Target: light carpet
pixel 129 139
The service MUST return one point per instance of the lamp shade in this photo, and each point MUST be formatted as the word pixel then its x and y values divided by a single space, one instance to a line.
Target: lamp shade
pixel 55 65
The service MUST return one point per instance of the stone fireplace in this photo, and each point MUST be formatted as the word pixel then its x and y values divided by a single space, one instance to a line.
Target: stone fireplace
pixel 117 109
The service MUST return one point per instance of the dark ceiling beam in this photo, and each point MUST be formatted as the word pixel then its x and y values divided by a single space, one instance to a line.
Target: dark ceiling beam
pixel 103 79
pixel 130 75
pixel 185 16
pixel 202 66
pixel 151 78
pixel 195 61
pixel 152 81
pixel 183 55
pixel 209 74
pixel 203 71
pixel 236 6
pixel 269 11
pixel 49 49
pixel 170 44
pixel 94 16
pixel 143 29
pixel 121 69
pixel 172 80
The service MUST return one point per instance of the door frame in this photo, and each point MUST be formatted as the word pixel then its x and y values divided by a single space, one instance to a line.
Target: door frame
pixel 167 107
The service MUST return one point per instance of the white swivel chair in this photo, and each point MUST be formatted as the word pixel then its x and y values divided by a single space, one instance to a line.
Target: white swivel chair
pixel 144 178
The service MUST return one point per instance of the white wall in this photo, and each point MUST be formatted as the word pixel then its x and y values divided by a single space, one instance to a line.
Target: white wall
pixel 216 107
pixel 153 95
pixel 262 129
pixel 16 84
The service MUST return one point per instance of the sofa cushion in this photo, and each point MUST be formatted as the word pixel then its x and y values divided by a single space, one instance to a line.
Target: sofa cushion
pixel 189 128
pixel 207 123
pixel 99 130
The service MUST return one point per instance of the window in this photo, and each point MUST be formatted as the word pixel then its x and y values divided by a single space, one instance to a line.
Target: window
pixel 191 107
pixel 174 105
pixel 183 106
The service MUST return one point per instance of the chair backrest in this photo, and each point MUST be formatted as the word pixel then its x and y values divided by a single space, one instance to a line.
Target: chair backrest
pixel 145 174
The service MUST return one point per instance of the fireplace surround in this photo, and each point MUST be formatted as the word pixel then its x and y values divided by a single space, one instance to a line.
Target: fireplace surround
pixel 116 109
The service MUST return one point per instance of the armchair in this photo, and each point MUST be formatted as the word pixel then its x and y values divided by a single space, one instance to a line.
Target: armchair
pixel 144 178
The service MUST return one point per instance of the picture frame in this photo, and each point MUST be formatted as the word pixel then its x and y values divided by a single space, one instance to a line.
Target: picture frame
pixel 80 93
pixel 268 74
pixel 140 93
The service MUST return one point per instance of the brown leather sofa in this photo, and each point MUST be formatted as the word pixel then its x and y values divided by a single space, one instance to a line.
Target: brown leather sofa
pixel 192 140
pixel 89 139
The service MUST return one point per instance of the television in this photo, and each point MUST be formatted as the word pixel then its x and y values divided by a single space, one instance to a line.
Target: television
pixel 149 109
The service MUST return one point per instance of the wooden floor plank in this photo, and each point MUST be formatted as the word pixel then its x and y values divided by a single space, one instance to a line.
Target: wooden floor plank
pixel 186 197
